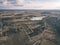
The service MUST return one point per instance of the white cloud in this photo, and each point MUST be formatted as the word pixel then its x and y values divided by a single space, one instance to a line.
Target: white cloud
pixel 47 5
pixel 22 4
pixel 20 1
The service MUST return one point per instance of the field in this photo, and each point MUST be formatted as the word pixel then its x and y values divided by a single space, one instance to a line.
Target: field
pixel 29 27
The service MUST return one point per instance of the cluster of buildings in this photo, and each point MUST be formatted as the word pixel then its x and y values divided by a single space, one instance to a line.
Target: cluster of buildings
pixel 19 20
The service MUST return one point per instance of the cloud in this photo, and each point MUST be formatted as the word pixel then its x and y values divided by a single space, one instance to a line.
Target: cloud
pixel 31 4
pixel 46 5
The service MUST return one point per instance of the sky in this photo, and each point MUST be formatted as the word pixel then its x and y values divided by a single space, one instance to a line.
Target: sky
pixel 29 4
